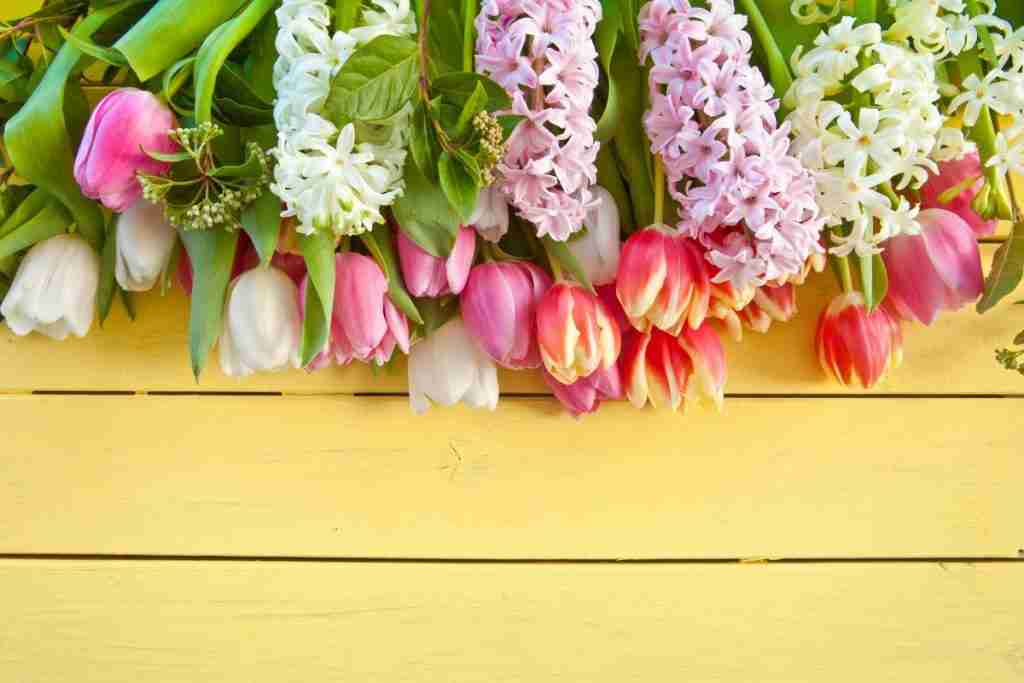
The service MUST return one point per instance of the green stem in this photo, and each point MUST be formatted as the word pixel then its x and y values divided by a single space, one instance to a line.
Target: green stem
pixel 866 11
pixel 556 267
pixel 778 70
pixel 659 190
pixel 468 47
pixel 842 267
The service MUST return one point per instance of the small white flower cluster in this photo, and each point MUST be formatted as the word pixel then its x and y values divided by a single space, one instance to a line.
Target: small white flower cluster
pixel 888 139
pixel 330 179
pixel 941 27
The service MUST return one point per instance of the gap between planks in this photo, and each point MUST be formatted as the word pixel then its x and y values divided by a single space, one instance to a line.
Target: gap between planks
pixel 87 557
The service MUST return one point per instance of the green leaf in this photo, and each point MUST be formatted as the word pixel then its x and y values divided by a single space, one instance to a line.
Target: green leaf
pixel 172 30
pixel 212 253
pixel 376 82
pixel 37 138
pixel 169 157
pixel 250 168
pixel 261 220
pixel 346 14
pixel 457 88
pixel 318 250
pixel 610 178
pixel 380 242
pixel 476 103
pixel 606 38
pixel 214 51
pixel 436 312
pixel 51 221
pixel 1007 270
pixel 26 208
pixel 86 46
pixel 459 186
pixel 108 265
pixel 259 65
pixel 424 214
pixel 874 280
pixel 559 251
pixel 1019 339
pixel 630 142
pixel 423 145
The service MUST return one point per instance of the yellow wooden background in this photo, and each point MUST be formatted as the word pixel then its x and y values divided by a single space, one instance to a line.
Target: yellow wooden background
pixel 309 528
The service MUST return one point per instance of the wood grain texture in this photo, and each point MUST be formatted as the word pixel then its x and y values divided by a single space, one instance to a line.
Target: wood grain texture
pixel 168 621
pixel 954 356
pixel 361 477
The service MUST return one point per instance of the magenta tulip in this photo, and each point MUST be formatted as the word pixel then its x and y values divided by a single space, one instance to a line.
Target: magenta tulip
pixel 430 276
pixel 936 270
pixel 124 126
pixel 499 307
pixel 962 179
pixel 365 325
pixel 585 395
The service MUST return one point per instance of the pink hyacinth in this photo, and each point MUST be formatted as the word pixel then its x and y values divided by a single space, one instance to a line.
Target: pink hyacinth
pixel 365 324
pixel 541 52
pixel 712 122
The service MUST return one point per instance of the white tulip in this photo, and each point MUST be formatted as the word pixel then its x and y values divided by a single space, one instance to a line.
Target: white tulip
pixel 262 324
pixel 447 367
pixel 145 241
pixel 490 218
pixel 54 291
pixel 598 249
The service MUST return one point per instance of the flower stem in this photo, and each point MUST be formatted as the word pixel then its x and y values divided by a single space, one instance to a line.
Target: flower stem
pixel 556 267
pixel 866 11
pixel 469 13
pixel 778 70
pixel 659 190
pixel 842 268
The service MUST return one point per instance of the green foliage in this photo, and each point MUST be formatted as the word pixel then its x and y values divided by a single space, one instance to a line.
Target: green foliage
pixel 380 243
pixel 376 82
pixel 212 253
pixel 424 214
pixel 318 250
pixel 1007 270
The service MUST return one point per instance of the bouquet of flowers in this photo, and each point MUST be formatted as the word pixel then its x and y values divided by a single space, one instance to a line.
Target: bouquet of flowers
pixel 594 189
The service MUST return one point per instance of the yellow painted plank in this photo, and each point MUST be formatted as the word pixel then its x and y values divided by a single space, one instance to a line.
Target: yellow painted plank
pixel 199 621
pixel 360 477
pixel 955 356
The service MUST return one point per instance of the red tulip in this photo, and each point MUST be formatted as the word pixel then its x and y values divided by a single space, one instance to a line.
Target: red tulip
pixel 124 126
pixel 663 281
pixel 936 270
pixel 576 333
pixel 771 303
pixel 855 346
pixel 499 305
pixel 666 371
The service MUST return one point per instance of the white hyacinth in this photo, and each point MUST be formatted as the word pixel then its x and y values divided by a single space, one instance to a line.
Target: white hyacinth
pixel 331 179
pixel 889 142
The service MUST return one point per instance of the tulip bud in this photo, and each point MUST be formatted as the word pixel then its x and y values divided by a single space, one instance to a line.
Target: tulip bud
pixel 365 324
pixel 856 346
pixel 499 306
pixel 430 276
pixel 663 281
pixel 772 303
pixel 124 124
pixel 598 248
pixel 938 269
pixel 576 333
pixel 666 371
pixel 54 290
pixel 447 367
pixel 586 394
pixel 145 241
pixel 262 324
pixel 954 189
pixel 491 215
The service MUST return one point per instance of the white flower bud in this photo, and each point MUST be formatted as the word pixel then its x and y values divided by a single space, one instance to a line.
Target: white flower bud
pixel 262 324
pixel 598 249
pixel 447 367
pixel 145 241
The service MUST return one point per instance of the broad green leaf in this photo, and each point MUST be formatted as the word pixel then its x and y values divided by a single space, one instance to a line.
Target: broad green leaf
pixel 261 220
pixel 318 250
pixel 172 30
pixel 234 83
pixel 51 221
pixel 436 311
pixel 346 14
pixel 424 214
pixel 237 114
pixel 25 209
pixel 212 253
pixel 1012 11
pixel 250 168
pixel 376 82
pixel 610 178
pixel 423 145
pixel 559 251
pixel 86 46
pixel 457 88
pixel 630 142
pixel 458 185
pixel 37 138
pixel 380 242
pixel 214 51
pixel 259 65
pixel 108 265
pixel 1007 270
pixel 606 39
pixel 476 103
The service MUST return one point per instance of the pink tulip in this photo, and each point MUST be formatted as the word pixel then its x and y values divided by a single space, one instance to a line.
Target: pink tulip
pixel 954 174
pixel 663 281
pixel 428 275
pixel 577 334
pixel 365 324
pixel 124 126
pixel 585 395
pixel 499 306
pixel 666 371
pixel 936 270
pixel 856 346
pixel 771 303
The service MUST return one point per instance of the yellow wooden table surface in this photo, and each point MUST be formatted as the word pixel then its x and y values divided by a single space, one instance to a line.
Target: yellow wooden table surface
pixel 300 527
